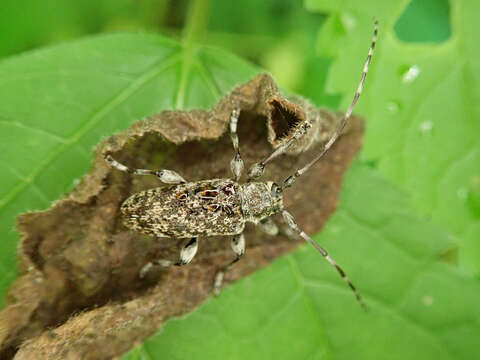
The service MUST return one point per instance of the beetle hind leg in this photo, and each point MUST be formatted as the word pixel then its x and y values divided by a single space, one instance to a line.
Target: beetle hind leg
pixel 186 255
pixel 238 247
pixel 188 252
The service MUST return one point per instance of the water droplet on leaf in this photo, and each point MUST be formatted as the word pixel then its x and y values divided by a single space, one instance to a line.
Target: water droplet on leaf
pixel 410 74
pixel 427 300
pixel 393 106
pixel 348 21
pixel 426 126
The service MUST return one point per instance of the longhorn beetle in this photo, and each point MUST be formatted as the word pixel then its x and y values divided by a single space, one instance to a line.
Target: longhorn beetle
pixel 223 206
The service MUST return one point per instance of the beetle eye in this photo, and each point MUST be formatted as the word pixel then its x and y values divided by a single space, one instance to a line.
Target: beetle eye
pixel 275 190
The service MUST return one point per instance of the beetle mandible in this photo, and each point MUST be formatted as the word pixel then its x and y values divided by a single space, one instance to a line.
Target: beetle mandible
pixel 223 206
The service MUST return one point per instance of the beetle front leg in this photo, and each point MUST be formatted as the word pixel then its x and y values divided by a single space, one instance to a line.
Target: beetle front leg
pixel 269 227
pixel 238 246
pixel 256 170
pixel 237 163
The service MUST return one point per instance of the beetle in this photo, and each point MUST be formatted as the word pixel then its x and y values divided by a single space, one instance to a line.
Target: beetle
pixel 188 210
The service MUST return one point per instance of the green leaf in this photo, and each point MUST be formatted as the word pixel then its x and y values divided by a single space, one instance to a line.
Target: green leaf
pixel 299 308
pixel 430 14
pixel 422 103
pixel 57 103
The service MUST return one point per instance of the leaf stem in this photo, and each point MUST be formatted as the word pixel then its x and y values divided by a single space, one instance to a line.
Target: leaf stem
pixel 195 28
pixel 196 22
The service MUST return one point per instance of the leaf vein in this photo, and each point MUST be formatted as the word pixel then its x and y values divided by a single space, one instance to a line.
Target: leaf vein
pixel 34 129
pixel 124 94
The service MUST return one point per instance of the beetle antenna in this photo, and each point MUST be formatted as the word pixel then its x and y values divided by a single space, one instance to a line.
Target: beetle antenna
pixel 291 179
pixel 290 221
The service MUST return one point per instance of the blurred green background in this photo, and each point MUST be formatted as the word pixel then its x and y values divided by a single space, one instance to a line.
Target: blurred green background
pixel 408 225
pixel 276 34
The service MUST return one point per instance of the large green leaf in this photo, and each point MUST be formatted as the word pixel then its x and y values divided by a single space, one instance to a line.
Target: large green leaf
pixel 59 102
pixel 422 102
pixel 299 308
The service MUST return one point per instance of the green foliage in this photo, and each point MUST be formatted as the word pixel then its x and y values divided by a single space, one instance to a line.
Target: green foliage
pixel 31 23
pixel 432 15
pixel 422 131
pixel 57 103
pixel 279 35
pixel 421 139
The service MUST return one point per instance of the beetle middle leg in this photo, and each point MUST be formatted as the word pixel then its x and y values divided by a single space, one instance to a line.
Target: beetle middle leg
pixel 238 247
pixel 164 175
pixel 186 255
pixel 237 163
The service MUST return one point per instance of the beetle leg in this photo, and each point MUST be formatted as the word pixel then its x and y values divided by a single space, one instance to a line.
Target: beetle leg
pixel 186 255
pixel 188 252
pixel 164 175
pixel 269 227
pixel 237 163
pixel 238 246
pixel 256 170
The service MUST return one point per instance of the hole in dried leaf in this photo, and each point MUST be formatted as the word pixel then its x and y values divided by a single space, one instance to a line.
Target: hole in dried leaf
pixel 283 119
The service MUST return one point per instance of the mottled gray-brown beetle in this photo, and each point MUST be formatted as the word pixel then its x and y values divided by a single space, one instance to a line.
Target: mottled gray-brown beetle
pixel 223 206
